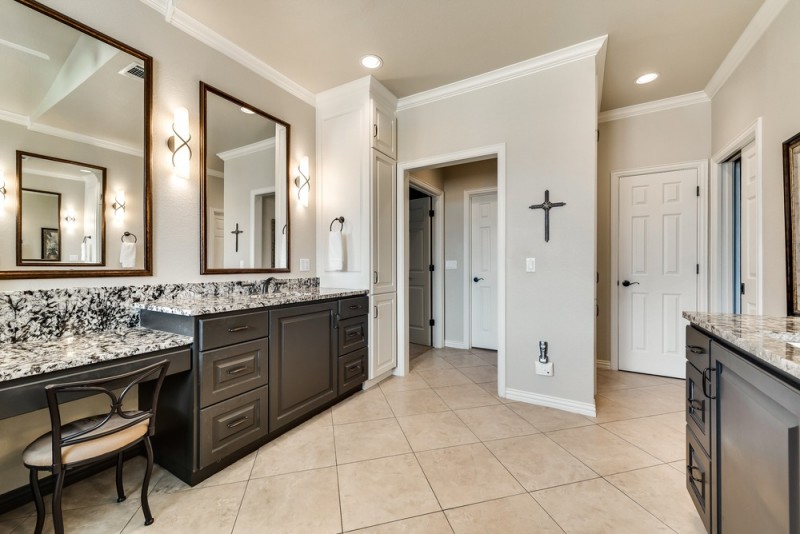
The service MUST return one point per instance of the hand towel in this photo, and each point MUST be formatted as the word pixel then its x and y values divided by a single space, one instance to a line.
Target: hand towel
pixel 83 252
pixel 280 251
pixel 335 251
pixel 127 255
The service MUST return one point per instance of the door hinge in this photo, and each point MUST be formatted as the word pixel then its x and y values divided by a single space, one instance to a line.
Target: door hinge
pixel 741 288
pixel 698 190
pixel 430 213
pixel 430 268
pixel 431 322
pixel 697 271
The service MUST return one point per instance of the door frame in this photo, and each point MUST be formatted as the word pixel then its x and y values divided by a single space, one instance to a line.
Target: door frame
pixel 701 166
pixel 467 288
pixel 720 222
pixel 498 152
pixel 437 257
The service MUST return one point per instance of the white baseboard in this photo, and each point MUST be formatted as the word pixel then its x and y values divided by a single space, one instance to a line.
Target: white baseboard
pixel 583 408
pixel 602 364
pixel 455 344
pixel 377 380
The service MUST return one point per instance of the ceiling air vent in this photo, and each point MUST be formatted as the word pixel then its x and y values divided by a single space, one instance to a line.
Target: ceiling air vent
pixel 134 70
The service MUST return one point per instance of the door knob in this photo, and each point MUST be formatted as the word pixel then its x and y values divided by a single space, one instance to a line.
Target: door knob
pixel 476 279
pixel 626 283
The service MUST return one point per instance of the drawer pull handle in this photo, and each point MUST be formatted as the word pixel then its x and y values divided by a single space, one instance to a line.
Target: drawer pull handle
pixel 694 349
pixel 696 405
pixel 690 469
pixel 238 422
pixel 238 329
pixel 237 370
pixel 354 334
pixel 354 367
pixel 355 307
pixel 707 381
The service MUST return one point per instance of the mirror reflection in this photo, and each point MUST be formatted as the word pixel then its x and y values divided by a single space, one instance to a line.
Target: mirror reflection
pixel 245 204
pixel 77 105
pixel 60 215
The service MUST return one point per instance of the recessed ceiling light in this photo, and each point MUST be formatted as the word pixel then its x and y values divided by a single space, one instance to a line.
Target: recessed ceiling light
pixel 646 78
pixel 248 111
pixel 371 61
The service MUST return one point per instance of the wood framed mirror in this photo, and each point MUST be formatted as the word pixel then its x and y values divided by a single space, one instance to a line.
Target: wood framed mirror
pixel 791 200
pixel 75 120
pixel 244 184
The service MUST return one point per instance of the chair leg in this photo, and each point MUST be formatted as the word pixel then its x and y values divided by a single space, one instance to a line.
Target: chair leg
pixel 120 488
pixel 37 499
pixel 58 519
pixel 148 517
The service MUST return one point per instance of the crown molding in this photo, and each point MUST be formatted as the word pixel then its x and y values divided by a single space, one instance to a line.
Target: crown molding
pixel 750 36
pixel 246 150
pixel 523 68
pixel 664 104
pixel 207 36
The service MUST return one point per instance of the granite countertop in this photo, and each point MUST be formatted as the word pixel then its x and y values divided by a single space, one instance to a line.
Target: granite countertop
pixel 18 360
pixel 774 340
pixel 205 305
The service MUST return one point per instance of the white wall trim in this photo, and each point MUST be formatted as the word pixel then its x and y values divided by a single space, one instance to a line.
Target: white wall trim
pixel 568 405
pixel 550 60
pixel 602 364
pixel 462 156
pixel 466 261
pixel 207 36
pixel 689 99
pixel 455 344
pixel 701 166
pixel 767 13
pixel 437 236
pixel 246 150
pixel 718 226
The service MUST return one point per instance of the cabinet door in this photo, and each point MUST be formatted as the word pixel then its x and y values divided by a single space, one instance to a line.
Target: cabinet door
pixel 383 334
pixel 383 130
pixel 384 223
pixel 302 362
pixel 756 448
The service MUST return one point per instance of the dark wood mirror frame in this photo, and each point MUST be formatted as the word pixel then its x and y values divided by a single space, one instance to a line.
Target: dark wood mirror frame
pixel 205 89
pixel 75 272
pixel 791 201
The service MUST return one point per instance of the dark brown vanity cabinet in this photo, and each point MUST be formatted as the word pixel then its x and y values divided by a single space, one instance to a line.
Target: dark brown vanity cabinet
pixel 744 475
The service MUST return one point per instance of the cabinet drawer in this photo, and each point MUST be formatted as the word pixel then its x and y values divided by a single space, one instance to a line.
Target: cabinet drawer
pixel 232 329
pixel 232 424
pixel 352 334
pixel 352 370
pixel 698 478
pixel 353 307
pixel 698 348
pixel 229 371
pixel 698 407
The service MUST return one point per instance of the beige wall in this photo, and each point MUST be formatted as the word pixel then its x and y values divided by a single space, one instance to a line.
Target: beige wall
pixel 672 136
pixel 765 85
pixel 431 177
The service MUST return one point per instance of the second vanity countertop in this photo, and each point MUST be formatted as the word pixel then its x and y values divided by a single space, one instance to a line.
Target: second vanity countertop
pixel 205 305
pixel 773 340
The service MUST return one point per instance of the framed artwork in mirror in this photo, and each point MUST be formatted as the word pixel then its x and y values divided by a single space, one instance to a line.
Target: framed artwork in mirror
pixel 51 244
pixel 791 200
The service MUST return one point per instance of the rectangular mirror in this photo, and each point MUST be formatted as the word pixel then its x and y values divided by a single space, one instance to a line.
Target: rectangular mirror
pixel 244 214
pixel 791 200
pixel 62 199
pixel 75 108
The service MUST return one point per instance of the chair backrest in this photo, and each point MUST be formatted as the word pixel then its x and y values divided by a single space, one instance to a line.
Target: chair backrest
pixel 105 386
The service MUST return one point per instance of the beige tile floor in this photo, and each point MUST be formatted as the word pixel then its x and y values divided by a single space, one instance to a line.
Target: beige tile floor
pixel 434 452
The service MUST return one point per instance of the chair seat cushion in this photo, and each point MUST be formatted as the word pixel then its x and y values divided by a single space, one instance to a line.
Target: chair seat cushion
pixel 40 454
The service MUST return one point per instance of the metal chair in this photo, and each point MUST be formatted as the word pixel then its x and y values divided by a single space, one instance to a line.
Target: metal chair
pixel 93 439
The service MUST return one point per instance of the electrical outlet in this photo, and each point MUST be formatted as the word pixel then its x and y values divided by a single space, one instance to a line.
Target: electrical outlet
pixel 305 265
pixel 530 265
pixel 544 369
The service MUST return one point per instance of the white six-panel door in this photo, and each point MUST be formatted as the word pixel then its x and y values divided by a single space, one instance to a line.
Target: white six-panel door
pixel 419 275
pixel 657 257
pixel 483 275
pixel 749 231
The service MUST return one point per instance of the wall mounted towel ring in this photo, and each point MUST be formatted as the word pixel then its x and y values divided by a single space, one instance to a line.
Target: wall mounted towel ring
pixel 341 221
pixel 128 234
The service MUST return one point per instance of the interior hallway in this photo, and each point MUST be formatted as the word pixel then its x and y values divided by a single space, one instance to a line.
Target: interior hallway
pixel 434 452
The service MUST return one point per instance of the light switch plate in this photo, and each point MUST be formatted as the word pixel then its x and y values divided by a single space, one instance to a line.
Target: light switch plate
pixel 530 265
pixel 305 265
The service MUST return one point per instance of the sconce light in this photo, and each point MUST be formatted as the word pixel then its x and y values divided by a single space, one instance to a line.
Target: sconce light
pixel 302 182
pixel 3 190
pixel 119 204
pixel 179 143
pixel 70 218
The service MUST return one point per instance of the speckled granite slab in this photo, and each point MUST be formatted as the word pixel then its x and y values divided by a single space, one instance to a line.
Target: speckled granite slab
pixel 53 313
pixel 766 338
pixel 196 305
pixel 18 360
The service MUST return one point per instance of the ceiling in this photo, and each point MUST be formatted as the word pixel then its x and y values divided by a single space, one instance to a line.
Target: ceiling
pixel 429 43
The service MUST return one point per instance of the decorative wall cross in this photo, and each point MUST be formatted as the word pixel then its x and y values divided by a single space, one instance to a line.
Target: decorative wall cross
pixel 547 206
pixel 236 233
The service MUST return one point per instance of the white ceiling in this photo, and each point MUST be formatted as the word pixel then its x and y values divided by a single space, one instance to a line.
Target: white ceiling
pixel 429 43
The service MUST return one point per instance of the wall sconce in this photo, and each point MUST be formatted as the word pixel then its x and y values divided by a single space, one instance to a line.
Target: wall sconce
pixel 302 182
pixel 3 190
pixel 70 218
pixel 179 143
pixel 119 204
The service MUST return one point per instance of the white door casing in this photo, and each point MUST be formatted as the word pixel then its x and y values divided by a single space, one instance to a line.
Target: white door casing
pixel 419 275
pixel 483 270
pixel 658 256
pixel 749 231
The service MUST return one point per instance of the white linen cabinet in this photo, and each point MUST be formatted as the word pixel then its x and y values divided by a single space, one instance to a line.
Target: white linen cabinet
pixel 357 180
